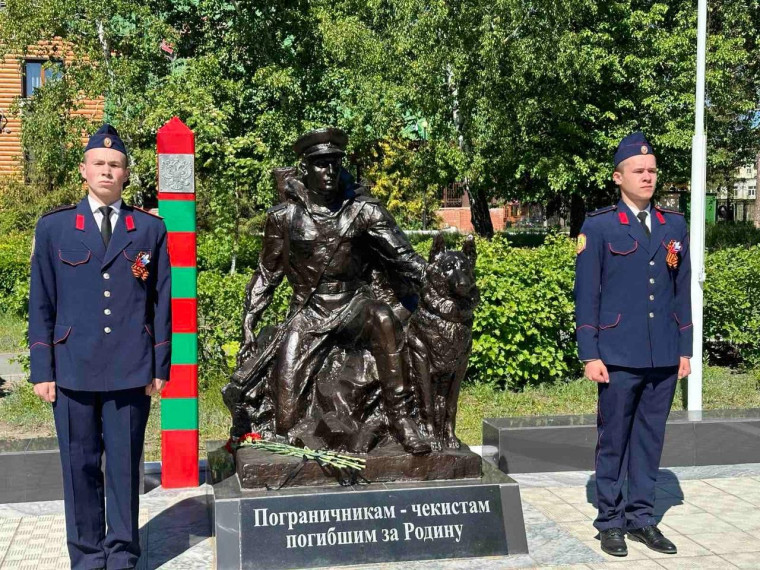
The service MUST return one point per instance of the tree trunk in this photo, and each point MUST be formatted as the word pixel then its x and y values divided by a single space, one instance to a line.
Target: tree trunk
pixel 480 213
pixel 236 233
pixel 577 214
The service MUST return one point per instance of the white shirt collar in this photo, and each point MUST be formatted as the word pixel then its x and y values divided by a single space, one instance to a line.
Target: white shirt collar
pixel 636 211
pixel 94 205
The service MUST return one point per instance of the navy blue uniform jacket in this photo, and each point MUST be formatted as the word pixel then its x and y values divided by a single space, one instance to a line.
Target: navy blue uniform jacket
pixel 632 308
pixel 94 325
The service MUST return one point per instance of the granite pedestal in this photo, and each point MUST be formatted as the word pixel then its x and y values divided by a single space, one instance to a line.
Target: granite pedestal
pixel 307 527
pixel 567 443
pixel 30 470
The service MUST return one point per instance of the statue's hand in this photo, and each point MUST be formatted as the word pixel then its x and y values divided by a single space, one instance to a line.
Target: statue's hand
pixel 247 348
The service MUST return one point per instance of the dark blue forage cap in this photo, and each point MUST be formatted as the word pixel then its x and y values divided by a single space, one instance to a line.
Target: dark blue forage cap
pixel 106 137
pixel 632 145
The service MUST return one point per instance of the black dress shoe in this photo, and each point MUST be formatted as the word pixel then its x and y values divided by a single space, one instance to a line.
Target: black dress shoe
pixel 613 542
pixel 653 538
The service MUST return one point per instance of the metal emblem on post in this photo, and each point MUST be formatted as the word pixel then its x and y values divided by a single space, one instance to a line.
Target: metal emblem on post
pixel 176 173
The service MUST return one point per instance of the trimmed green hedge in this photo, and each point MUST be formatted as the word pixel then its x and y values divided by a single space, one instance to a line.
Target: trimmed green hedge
pixel 722 235
pixel 524 327
pixel 15 251
pixel 524 330
pixel 732 305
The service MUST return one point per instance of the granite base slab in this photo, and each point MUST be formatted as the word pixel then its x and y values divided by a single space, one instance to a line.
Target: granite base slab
pixel 307 527
pixel 30 470
pixel 567 443
pixel 257 468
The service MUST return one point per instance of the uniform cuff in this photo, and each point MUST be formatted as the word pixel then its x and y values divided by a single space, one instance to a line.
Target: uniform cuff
pixel 162 355
pixel 41 363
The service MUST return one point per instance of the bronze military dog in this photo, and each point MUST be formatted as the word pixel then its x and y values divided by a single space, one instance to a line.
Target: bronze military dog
pixel 440 339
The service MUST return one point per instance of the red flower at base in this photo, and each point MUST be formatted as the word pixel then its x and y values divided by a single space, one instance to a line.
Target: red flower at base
pixel 233 443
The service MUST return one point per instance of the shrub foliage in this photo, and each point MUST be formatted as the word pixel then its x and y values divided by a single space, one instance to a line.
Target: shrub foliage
pixel 524 331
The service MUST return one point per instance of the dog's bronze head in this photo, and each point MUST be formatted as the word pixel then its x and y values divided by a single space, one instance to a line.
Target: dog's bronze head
pixel 452 273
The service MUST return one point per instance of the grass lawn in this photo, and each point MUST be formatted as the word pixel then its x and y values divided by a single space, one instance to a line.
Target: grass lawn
pixel 12 331
pixel 24 415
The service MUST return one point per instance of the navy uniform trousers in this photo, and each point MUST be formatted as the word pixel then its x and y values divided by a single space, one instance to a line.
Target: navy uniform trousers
pixel 633 409
pixel 80 419
pixel 633 312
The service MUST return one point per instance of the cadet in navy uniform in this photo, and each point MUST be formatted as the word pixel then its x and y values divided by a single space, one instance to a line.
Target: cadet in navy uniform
pixel 99 335
pixel 633 317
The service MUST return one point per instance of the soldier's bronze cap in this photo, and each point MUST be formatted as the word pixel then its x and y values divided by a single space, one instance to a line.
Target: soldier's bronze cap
pixel 327 141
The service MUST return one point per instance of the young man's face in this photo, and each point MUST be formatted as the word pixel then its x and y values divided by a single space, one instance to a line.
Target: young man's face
pixel 637 177
pixel 105 171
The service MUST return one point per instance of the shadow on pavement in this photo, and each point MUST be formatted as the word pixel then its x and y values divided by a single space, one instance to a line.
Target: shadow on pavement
pixel 175 530
pixel 669 492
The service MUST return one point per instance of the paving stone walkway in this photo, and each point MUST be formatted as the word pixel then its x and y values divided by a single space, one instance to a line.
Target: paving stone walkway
pixel 711 513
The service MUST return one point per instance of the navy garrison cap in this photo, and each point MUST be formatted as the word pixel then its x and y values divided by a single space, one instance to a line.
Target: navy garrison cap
pixel 328 141
pixel 632 145
pixel 106 137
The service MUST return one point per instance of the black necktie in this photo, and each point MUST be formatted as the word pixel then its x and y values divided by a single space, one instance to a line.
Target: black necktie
pixel 642 216
pixel 105 225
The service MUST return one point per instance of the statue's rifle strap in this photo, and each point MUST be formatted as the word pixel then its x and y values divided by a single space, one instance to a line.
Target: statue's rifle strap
pixel 328 259
pixel 252 365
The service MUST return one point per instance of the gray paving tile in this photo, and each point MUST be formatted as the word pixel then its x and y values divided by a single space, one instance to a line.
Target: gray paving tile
pixel 531 515
pixel 8 528
pixel 695 523
pixel 696 563
pixel 747 560
pixel 551 544
pixel 728 542
pixel 622 564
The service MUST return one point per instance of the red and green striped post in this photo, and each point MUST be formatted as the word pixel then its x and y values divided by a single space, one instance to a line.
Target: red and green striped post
pixel 179 400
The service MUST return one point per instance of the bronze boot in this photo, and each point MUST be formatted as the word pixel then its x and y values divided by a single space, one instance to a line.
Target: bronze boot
pixel 397 401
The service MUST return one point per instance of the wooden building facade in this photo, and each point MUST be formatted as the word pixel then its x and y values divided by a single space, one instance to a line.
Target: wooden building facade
pixel 20 76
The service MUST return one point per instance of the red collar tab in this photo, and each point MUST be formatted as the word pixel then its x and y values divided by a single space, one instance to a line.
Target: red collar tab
pixel 660 217
pixel 623 218
pixel 130 221
pixel 80 222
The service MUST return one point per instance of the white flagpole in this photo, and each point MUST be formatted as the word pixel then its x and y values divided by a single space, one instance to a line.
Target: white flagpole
pixel 697 226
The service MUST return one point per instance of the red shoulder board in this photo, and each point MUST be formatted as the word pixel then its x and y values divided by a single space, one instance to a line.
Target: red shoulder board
pixel 148 212
pixel 623 218
pixel 659 209
pixel 59 209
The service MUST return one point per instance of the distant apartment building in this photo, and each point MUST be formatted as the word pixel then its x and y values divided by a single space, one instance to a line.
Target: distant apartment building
pixel 740 203
pixel 20 77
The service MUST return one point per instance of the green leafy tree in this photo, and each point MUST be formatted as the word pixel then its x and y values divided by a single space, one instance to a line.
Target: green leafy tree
pixel 51 137
pixel 531 97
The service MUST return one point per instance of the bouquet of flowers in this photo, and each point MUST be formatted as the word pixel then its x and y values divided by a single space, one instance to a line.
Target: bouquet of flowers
pixel 322 457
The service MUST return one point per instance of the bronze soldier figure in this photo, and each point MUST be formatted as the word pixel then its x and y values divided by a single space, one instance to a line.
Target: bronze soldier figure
pixel 325 239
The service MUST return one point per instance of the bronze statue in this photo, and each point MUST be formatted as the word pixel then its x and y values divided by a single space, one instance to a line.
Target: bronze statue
pixel 333 374
pixel 440 339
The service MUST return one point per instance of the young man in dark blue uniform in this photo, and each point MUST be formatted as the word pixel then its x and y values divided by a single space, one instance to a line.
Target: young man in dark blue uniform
pixel 634 330
pixel 99 336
